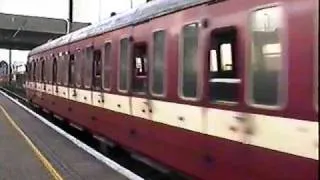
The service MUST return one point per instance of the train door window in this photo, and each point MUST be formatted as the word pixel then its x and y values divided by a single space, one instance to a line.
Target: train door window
pixel 71 71
pixel 34 67
pixel 60 70
pixel 54 70
pixel 107 66
pixel 43 79
pixel 79 68
pixel 139 73
pixel 48 65
pixel 189 68
pixel 38 70
pixel 158 64
pixel 124 68
pixel 65 71
pixel 266 66
pixel 223 77
pixel 97 68
pixel 88 67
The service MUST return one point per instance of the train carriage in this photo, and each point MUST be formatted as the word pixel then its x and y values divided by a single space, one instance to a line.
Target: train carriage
pixel 216 89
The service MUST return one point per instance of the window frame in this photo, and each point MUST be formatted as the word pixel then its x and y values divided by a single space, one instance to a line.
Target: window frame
pixel 165 65
pixel 128 65
pixel 199 91
pixel 284 73
pixel 103 54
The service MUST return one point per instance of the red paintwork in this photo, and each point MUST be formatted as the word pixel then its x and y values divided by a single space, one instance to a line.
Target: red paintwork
pixel 185 150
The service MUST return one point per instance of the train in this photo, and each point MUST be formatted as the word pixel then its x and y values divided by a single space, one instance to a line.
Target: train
pixel 214 89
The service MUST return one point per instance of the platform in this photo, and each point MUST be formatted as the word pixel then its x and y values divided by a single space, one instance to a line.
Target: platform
pixel 57 157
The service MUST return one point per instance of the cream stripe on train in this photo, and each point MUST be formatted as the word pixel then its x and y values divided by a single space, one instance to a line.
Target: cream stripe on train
pixel 292 136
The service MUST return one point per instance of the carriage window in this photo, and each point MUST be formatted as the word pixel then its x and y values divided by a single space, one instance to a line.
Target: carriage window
pixel 124 68
pixel 65 71
pixel 189 72
pixel 139 73
pixel 43 78
pixel 107 66
pixel 79 68
pixel 97 65
pixel 223 77
pixel 158 65
pixel 71 71
pixel 54 70
pixel 48 65
pixel 38 70
pixel 34 70
pixel 266 66
pixel 88 67
pixel 62 69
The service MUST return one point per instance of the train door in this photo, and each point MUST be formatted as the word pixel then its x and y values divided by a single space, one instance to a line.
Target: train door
pixel 139 81
pixel 223 85
pixel 74 73
pixel 97 93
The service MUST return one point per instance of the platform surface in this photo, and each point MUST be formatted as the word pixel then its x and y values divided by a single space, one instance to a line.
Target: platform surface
pixel 19 161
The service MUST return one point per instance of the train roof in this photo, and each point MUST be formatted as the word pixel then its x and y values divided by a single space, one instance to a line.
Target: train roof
pixel 131 17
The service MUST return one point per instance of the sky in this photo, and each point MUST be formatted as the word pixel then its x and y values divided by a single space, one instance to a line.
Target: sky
pixel 84 11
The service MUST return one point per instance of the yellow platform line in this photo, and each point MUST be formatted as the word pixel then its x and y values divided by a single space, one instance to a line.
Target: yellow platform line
pixel 39 155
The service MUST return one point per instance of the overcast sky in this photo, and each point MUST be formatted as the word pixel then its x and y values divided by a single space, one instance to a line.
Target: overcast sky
pixel 84 11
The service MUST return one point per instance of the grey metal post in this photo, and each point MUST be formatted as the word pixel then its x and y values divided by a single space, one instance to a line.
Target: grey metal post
pixel 70 18
pixel 10 64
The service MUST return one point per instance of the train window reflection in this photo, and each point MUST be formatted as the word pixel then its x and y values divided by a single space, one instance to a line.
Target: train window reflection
pixel 226 57
pixel 266 67
pixel 157 66
pixel 213 61
pixel 189 68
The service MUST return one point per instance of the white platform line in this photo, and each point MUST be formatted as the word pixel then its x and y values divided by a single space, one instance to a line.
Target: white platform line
pixel 127 173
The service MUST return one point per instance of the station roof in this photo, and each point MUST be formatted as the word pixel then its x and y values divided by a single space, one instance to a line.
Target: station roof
pixel 26 32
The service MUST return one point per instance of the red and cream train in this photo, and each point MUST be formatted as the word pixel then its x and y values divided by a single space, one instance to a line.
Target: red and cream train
pixel 217 89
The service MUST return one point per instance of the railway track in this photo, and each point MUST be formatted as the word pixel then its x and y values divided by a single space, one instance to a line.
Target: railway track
pixel 125 157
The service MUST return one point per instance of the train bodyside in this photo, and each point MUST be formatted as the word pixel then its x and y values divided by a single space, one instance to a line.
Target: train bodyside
pixel 224 90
